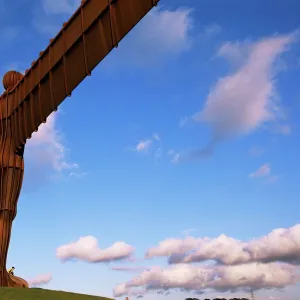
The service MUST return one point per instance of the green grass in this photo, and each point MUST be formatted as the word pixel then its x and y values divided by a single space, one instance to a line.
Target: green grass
pixel 41 294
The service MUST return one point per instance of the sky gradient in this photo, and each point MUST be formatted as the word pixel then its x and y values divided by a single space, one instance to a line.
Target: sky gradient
pixel 178 156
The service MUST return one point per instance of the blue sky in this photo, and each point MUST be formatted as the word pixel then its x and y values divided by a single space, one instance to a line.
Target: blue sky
pixel 190 124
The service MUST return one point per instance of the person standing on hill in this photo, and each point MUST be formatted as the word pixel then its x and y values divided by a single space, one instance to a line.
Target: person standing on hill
pixel 11 271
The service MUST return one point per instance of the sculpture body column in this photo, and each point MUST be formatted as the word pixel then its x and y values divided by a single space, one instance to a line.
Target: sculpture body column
pixel 11 179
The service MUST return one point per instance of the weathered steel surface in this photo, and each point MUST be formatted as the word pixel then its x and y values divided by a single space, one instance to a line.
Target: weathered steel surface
pixel 90 34
pixel 18 282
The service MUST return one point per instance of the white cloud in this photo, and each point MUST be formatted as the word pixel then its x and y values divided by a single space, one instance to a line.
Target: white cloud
pixel 236 53
pixel 219 278
pixel 40 280
pixel 143 145
pixel 279 245
pixel 167 28
pixel 262 171
pixel 153 144
pixel 46 147
pixel 246 99
pixel 169 247
pixel 239 103
pixel 87 249
pixel 122 289
pixel 47 157
pixel 161 34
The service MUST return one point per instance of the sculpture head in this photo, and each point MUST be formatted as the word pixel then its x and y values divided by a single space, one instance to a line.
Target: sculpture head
pixel 10 79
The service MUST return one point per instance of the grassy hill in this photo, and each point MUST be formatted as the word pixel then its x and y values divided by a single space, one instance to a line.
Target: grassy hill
pixel 41 294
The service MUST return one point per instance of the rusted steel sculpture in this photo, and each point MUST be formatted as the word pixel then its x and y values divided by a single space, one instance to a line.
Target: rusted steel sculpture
pixel 90 34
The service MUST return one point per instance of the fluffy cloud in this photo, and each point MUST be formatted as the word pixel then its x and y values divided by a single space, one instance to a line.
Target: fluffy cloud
pixel 87 249
pixel 279 245
pixel 160 35
pixel 167 28
pixel 143 145
pixel 262 171
pixel 246 99
pixel 269 262
pixel 220 278
pixel 47 156
pixel 123 289
pixel 40 280
pixel 151 145
pixel 47 147
pixel 173 246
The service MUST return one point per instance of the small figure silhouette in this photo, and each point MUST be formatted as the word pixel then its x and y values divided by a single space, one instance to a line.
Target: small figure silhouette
pixel 11 271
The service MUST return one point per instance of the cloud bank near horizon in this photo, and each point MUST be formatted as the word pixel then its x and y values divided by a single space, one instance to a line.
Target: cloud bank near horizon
pixel 221 264
pixel 282 244
pixel 196 278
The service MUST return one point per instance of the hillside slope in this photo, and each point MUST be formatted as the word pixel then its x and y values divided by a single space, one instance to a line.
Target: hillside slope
pixel 41 294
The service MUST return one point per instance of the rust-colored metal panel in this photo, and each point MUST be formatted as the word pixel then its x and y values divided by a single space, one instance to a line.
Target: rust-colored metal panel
pixel 19 282
pixel 90 34
pixel 45 94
